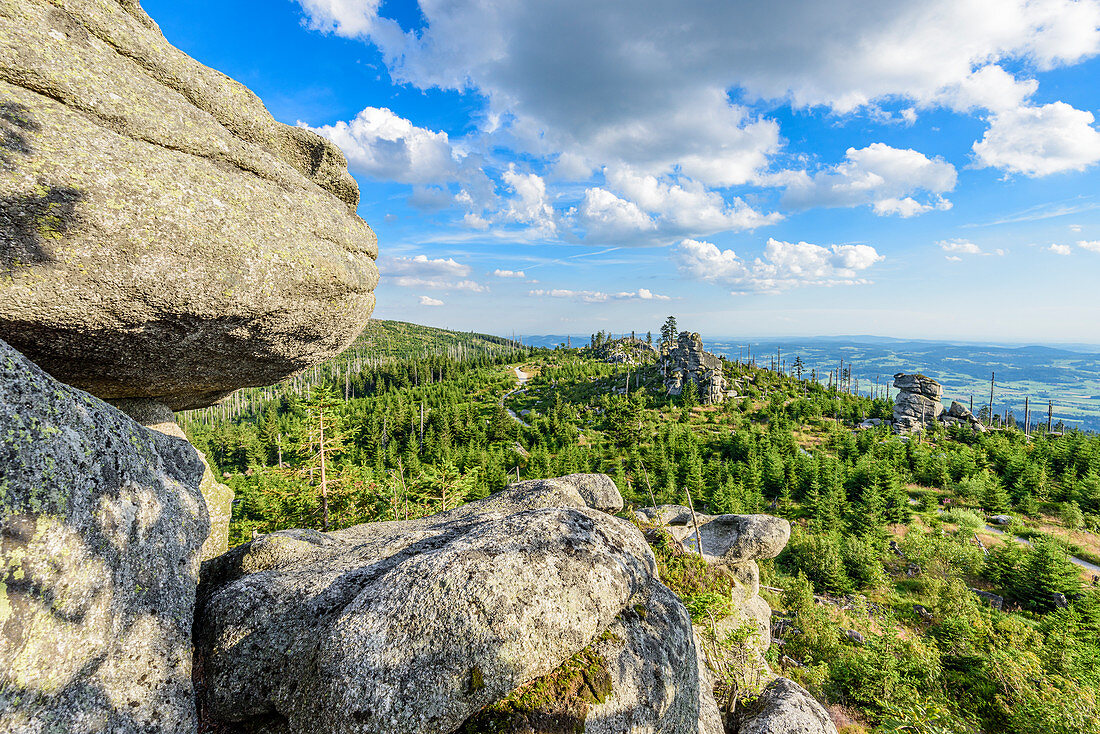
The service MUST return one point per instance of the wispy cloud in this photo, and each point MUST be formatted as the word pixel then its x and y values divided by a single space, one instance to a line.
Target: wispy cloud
pixel 1040 212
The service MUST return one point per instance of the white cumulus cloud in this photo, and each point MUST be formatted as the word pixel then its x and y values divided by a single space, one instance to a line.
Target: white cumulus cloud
pixel 422 265
pixel 1060 249
pixel 429 301
pixel 887 178
pixel 1039 141
pixel 958 247
pixel 1091 245
pixel 380 144
pixel 518 274
pixel 784 265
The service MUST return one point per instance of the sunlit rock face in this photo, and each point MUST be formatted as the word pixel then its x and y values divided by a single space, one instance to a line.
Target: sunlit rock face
pixel 416 626
pixel 161 236
pixel 101 522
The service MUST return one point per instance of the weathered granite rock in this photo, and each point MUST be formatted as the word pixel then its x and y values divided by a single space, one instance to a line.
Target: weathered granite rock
pixel 724 644
pixel 412 626
pixel 688 361
pixel 595 491
pixel 155 218
pixel 727 539
pixel 746 579
pixel 918 404
pixel 786 708
pixel 101 522
pixel 219 498
pixel 919 384
pixel 655 670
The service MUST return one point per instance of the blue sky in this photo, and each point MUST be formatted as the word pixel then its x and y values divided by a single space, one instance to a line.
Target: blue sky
pixel 925 170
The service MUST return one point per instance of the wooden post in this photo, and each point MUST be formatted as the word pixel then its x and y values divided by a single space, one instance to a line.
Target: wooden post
pixel 1050 415
pixel 324 481
pixel 279 445
pixel 695 522
pixel 992 380
pixel 1027 417
pixel 648 485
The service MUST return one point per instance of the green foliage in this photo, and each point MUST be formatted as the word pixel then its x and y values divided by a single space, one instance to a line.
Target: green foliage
pixel 786 446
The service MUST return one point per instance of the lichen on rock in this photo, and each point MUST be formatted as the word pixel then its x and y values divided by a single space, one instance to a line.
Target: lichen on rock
pixel 101 521
pixel 155 217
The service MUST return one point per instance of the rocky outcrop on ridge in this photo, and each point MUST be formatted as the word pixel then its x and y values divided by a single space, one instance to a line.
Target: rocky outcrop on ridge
pixel 156 218
pixel 959 415
pixel 418 625
pixel 689 361
pixel 628 350
pixel 101 522
pixel 918 404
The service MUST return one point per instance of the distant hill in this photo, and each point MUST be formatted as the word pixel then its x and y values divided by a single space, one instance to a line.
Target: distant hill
pixel 402 340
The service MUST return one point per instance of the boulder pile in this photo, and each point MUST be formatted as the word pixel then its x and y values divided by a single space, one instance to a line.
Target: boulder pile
pixel 734 543
pixel 959 415
pixel 689 361
pixel 628 350
pixel 919 405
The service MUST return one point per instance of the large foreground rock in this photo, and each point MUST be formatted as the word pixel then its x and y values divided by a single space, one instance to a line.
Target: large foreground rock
pixel 415 626
pixel 101 522
pixel 156 219
pixel 218 497
pixel 655 672
pixel 786 708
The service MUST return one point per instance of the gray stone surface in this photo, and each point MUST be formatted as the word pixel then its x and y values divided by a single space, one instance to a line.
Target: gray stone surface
pixel 219 498
pixel 156 218
pixel 101 522
pixel 594 491
pixel 689 361
pixel 786 708
pixel 598 491
pixel 655 673
pixel 411 626
pixel 918 404
pixel 727 539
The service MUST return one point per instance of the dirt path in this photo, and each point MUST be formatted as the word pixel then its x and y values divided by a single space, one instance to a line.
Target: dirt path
pixel 521 377
pixel 1090 567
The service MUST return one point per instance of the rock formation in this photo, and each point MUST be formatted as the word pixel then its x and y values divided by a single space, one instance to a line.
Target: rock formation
pixel 157 220
pixel 918 404
pixel 628 350
pixel 101 522
pixel 959 415
pixel 689 361
pixel 219 498
pixel 735 543
pixel 417 626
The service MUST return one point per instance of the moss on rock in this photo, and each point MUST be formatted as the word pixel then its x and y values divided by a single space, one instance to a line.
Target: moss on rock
pixel 556 703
